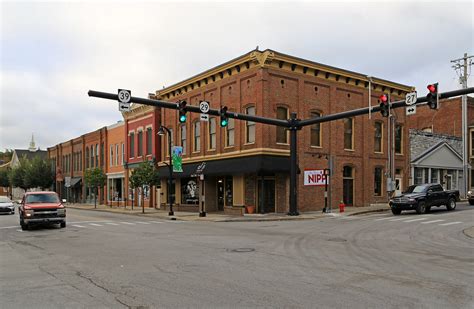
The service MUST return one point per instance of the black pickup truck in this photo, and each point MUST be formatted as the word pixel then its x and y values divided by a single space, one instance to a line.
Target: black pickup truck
pixel 422 197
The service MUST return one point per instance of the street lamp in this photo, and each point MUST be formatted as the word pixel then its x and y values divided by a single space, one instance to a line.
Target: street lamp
pixel 161 132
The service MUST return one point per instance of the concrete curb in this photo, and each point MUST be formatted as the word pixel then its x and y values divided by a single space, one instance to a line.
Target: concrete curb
pixel 237 219
pixel 469 232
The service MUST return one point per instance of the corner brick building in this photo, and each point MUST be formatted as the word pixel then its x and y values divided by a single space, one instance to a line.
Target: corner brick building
pixel 247 164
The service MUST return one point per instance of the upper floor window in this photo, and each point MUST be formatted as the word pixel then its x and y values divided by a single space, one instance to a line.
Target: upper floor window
pixel 170 140
pixel 140 143
pixel 148 141
pixel 316 131
pixel 80 160
pixel 212 133
pixel 250 126
pixel 398 139
pixel 229 133
pixel 123 153
pixel 378 136
pixel 87 157
pixel 92 155
pixel 182 135
pixel 197 136
pixel 116 154
pixel 281 134
pixel 472 146
pixel 348 133
pixel 111 155
pixel 102 150
pixel 132 144
pixel 96 155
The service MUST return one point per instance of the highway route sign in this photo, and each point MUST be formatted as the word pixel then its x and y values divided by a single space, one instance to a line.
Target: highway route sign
pixel 410 98
pixel 204 117
pixel 124 96
pixel 410 110
pixel 204 107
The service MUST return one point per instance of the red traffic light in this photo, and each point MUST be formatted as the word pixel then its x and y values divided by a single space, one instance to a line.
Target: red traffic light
pixel 431 88
pixel 383 98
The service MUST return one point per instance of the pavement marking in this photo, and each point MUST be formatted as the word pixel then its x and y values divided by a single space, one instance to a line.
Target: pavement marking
pixel 156 221
pixel 413 220
pixel 19 230
pixel 129 223
pixel 141 222
pixel 95 224
pixel 434 221
pixel 383 219
pixel 111 223
pixel 9 227
pixel 450 223
pixel 77 225
pixel 398 219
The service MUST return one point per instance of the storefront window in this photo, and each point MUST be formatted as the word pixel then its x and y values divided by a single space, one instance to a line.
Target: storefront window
pixel 189 191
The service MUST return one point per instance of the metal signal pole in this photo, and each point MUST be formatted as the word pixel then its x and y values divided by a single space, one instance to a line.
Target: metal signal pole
pixel 463 76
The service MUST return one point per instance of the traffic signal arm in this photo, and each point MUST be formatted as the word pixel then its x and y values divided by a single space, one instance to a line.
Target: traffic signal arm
pixel 395 104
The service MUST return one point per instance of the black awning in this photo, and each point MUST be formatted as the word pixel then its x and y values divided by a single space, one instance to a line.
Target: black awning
pixel 254 164
pixel 75 181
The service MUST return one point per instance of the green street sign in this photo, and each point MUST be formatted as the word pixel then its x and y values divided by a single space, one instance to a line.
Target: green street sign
pixel 177 158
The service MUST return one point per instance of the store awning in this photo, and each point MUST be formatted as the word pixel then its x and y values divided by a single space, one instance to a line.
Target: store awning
pixel 254 164
pixel 75 181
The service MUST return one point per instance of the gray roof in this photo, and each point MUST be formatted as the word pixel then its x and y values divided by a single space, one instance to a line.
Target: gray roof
pixel 421 142
pixel 43 154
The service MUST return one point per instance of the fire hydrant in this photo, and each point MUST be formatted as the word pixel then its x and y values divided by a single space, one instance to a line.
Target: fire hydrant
pixel 341 206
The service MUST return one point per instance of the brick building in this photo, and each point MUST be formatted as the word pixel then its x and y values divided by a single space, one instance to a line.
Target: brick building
pixel 140 128
pixel 247 164
pixel 115 160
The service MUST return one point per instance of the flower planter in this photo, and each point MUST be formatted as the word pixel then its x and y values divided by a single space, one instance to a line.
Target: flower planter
pixel 250 209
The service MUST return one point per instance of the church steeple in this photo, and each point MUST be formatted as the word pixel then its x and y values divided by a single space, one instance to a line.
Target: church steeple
pixel 32 147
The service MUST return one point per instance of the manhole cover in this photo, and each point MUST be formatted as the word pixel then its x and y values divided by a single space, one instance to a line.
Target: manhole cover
pixel 241 250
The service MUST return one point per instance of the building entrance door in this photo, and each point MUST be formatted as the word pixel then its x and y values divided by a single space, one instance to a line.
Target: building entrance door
pixel 398 186
pixel 220 194
pixel 266 195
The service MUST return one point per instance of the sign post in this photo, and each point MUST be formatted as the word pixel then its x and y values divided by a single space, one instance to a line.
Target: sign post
pixel 200 174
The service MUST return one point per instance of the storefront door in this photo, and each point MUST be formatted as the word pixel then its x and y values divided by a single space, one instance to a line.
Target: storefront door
pixel 220 194
pixel 266 195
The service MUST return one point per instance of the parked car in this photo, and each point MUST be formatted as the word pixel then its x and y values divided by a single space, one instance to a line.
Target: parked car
pixel 6 205
pixel 422 197
pixel 41 208
pixel 470 197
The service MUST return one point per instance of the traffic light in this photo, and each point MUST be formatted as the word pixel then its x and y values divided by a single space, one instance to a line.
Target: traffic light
pixel 384 102
pixel 224 118
pixel 432 96
pixel 182 111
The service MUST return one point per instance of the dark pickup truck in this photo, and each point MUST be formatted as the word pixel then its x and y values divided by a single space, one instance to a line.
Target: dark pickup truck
pixel 422 197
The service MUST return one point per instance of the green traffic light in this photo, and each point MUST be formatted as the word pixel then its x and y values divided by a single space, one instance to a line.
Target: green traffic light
pixel 182 118
pixel 224 122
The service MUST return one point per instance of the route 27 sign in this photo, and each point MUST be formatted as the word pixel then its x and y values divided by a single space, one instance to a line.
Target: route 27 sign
pixel 410 110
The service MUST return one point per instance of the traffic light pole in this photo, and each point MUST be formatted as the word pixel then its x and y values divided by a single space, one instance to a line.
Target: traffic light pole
pixel 293 124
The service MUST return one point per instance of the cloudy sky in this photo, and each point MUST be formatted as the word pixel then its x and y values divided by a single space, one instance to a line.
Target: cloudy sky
pixel 52 53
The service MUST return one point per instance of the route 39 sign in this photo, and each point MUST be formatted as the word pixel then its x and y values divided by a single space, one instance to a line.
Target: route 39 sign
pixel 124 96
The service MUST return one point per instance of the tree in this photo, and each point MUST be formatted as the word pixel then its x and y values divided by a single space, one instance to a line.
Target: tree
pixel 38 174
pixel 17 176
pixel 4 181
pixel 145 175
pixel 95 178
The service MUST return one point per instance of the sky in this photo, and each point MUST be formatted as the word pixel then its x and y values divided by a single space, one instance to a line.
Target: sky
pixel 52 53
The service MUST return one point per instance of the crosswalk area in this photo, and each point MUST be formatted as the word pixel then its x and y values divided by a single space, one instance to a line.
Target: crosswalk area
pixel 425 220
pixel 93 224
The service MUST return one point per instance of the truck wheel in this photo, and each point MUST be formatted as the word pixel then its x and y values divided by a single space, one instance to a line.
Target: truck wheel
pixel 451 204
pixel 396 211
pixel 420 208
pixel 427 209
pixel 63 224
pixel 24 227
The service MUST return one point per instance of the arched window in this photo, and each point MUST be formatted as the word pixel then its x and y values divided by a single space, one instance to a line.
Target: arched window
pixel 316 130
pixel 281 132
pixel 212 133
pixel 378 136
pixel 87 157
pixel 250 126
pixel 348 185
pixel 348 133
pixel 197 136
pixel 182 134
pixel 229 133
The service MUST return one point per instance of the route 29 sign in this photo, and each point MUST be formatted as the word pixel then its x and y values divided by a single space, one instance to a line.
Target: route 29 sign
pixel 314 178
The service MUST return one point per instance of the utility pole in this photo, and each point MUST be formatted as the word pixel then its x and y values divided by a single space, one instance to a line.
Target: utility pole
pixel 461 66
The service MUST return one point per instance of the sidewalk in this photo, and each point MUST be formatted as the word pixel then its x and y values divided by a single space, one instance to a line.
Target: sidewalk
pixel 218 217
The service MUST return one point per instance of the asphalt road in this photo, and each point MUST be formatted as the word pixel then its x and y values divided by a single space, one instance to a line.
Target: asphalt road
pixel 103 260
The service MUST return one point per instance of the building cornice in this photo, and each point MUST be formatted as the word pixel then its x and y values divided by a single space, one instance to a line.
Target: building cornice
pixel 278 61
